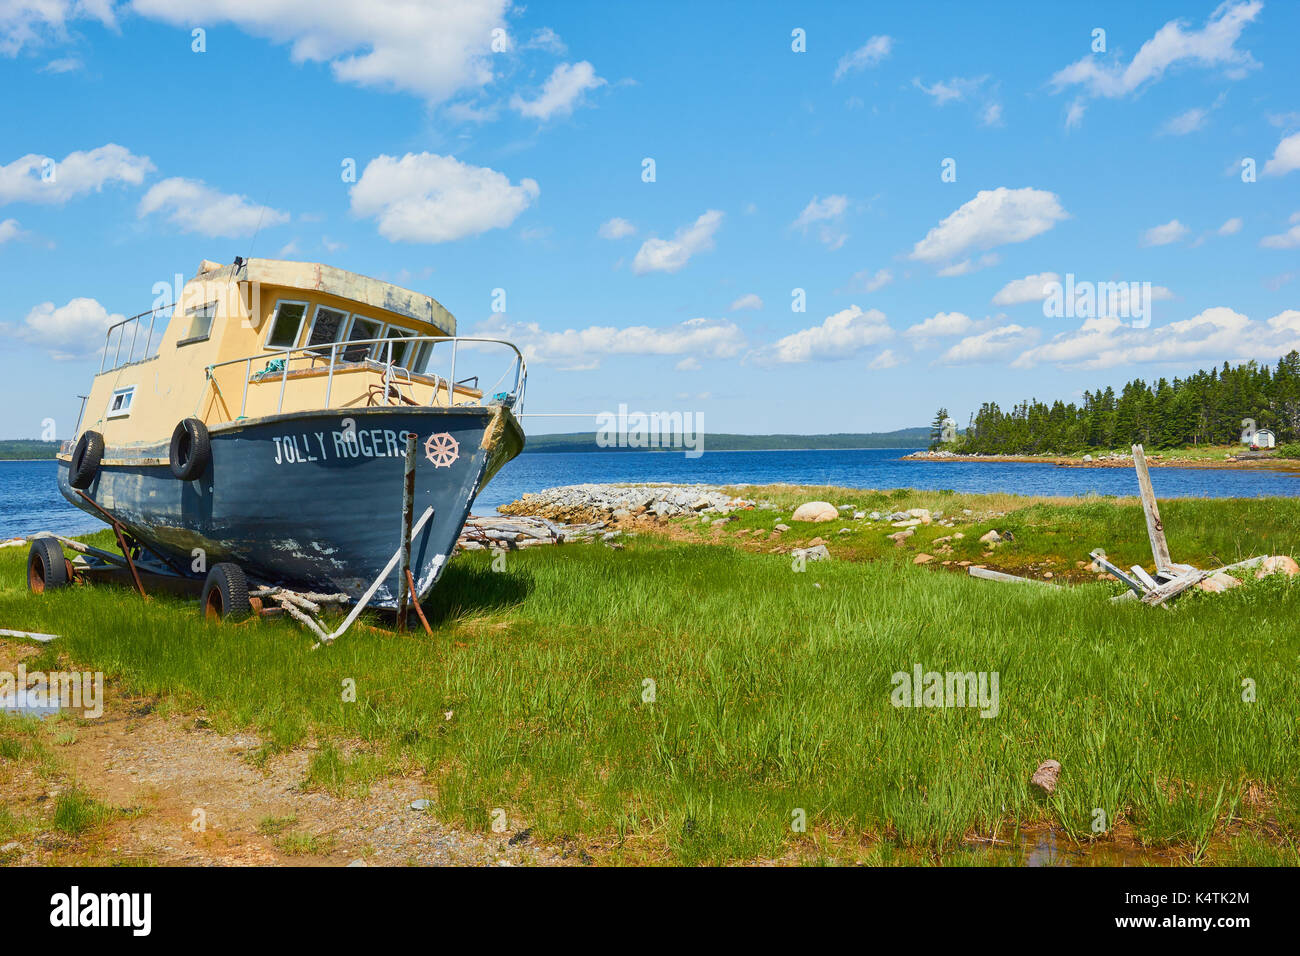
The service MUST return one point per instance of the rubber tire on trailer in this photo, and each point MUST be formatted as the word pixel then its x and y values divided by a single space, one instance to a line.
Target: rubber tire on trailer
pixel 47 568
pixel 225 593
pixel 191 449
pixel 86 457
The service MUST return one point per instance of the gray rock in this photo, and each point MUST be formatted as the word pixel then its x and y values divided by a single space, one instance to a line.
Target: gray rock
pixel 421 804
pixel 817 553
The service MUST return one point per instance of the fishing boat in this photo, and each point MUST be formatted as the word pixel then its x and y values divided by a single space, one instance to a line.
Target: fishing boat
pixel 255 432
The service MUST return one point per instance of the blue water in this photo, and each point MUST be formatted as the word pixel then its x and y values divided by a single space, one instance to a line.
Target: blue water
pixel 29 500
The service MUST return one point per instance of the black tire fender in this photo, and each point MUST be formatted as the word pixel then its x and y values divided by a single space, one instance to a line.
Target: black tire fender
pixel 86 458
pixel 191 449
pixel 225 593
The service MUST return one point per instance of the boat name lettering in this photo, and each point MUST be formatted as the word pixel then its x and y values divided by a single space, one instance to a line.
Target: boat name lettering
pixel 349 443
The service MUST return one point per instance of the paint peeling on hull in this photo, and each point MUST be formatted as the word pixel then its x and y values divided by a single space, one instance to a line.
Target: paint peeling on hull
pixel 326 521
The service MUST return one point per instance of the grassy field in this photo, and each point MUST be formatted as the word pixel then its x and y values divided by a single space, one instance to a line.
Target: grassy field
pixel 692 701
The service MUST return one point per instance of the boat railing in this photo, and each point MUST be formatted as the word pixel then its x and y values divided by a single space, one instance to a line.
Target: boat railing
pixel 140 338
pixel 329 358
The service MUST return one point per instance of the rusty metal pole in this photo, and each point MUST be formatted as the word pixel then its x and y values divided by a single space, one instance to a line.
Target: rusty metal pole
pixel 404 590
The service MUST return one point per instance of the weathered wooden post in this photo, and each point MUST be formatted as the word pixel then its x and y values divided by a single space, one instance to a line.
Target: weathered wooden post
pixel 408 507
pixel 1155 530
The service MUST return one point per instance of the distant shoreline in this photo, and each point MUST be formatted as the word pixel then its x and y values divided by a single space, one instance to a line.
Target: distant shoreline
pixel 1155 461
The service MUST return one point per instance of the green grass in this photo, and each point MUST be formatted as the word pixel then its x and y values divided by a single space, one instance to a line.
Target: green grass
pixel 772 695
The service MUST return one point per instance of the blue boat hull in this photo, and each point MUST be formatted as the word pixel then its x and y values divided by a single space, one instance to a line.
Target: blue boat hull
pixel 312 500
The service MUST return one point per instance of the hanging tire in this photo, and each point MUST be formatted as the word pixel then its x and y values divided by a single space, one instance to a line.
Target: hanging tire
pixel 47 568
pixel 191 449
pixel 225 593
pixel 85 460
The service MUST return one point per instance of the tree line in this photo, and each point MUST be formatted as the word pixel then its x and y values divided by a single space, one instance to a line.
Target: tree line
pixel 1206 408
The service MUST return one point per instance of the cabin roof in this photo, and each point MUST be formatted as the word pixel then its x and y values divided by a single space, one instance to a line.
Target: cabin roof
pixel 317 277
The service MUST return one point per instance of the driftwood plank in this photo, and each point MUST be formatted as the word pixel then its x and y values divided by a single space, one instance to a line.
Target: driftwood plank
pixel 1155 530
pixel 978 572
pixel 1175 588
pixel 1147 580
pixel 1099 556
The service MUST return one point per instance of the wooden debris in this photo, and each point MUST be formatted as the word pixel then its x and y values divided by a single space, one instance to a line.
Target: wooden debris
pixel 1155 530
pixel 976 571
pixel 29 635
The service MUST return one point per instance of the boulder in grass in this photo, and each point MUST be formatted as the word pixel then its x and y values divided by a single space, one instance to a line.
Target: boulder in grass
pixel 1045 776
pixel 991 537
pixel 1278 564
pixel 815 511
pixel 1218 582
pixel 923 558
pixel 818 553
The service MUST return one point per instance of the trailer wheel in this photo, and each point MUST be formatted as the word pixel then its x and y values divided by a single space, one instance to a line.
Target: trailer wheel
pixel 85 460
pixel 191 449
pixel 47 568
pixel 225 593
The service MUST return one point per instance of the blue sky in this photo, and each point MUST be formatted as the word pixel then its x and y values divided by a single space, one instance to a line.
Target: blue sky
pixel 775 169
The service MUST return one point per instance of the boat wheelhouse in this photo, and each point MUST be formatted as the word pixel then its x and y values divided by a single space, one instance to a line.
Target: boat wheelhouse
pixel 262 422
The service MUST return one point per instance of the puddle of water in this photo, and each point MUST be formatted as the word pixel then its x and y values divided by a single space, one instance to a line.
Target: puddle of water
pixel 1053 847
pixel 29 704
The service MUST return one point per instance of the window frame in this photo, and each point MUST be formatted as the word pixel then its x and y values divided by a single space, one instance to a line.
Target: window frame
pixel 190 315
pixel 274 317
pixel 129 392
pixel 344 326
pixel 380 349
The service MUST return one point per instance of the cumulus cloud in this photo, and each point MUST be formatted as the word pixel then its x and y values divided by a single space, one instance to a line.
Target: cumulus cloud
pixel 1286 158
pixel 70 331
pixel 433 50
pixel 669 255
pixel 581 349
pixel 939 325
pixel 194 206
pixel 563 90
pixel 616 228
pixel 994 217
pixel 1163 235
pixel 1214 45
pixel 424 197
pixel 1215 335
pixel 886 359
pixel 1028 289
pixel 994 344
pixel 33 23
pixel 748 301
pixel 9 230
pixel 840 336
pixel 825 214
pixel 1231 227
pixel 1285 240
pixel 42 179
pixel 869 54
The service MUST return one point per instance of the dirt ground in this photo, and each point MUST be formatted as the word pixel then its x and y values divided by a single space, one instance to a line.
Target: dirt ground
pixel 161 769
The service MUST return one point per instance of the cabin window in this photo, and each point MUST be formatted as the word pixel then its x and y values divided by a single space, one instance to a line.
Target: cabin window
pixel 362 329
pixel 200 322
pixel 119 403
pixel 326 327
pixel 401 350
pixel 286 324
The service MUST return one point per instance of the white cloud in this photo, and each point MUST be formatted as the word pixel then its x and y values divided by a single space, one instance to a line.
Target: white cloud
pixel 1028 289
pixel 1184 123
pixel 991 114
pixel 581 349
pixel 1213 45
pixel 748 301
pixel 31 178
pixel 967 266
pixel 616 228
pixel 67 64
pixel 1163 235
pixel 1216 334
pixel 1286 240
pixel 1074 115
pixel 886 359
pixel 424 197
pixel 994 217
pixel 433 50
pixel 32 23
pixel 195 206
pixel 1231 227
pixel 993 344
pixel 824 213
pixel 838 337
pixel 9 230
pixel 868 55
pixel 70 331
pixel 959 89
pixel 669 255
pixel 871 281
pixel 688 364
pixel 939 325
pixel 548 40
pixel 1286 158
pixel 562 91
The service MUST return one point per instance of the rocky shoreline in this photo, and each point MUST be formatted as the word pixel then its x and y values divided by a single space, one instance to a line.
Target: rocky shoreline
pixel 1116 460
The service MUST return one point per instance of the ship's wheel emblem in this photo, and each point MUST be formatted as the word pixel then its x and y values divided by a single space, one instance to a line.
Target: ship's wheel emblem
pixel 441 449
